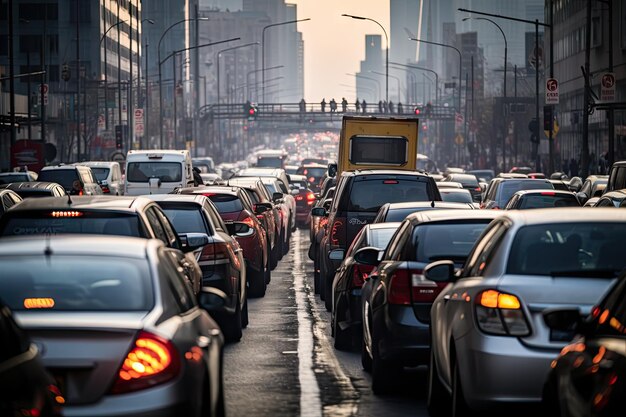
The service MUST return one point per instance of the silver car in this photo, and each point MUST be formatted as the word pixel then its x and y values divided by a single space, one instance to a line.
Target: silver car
pixel 116 324
pixel 490 345
pixel 108 174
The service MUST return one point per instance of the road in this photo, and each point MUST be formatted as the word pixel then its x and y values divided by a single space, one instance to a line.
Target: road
pixel 286 365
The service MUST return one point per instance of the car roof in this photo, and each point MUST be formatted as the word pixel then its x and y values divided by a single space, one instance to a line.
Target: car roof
pixel 297 177
pixel 158 151
pixel 449 190
pixel 386 225
pixel 383 172
pixel 98 163
pixel 178 198
pixel 5 174
pixel 62 167
pixel 100 245
pixel 617 194
pixel 257 171
pixel 548 190
pixel 456 175
pixel 98 202
pixel 571 215
pixel 215 189
pixel 420 204
pixel 446 215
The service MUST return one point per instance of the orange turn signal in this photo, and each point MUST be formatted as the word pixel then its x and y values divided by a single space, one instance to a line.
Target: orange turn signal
pixel 496 299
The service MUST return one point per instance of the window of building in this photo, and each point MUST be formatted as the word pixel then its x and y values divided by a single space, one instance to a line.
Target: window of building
pixel 596 31
pixel 38 11
pixel 83 8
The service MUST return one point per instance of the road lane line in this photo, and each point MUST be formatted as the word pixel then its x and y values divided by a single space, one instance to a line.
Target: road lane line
pixel 310 404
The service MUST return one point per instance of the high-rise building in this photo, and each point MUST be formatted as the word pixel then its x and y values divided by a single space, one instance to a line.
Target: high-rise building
pixel 403 14
pixel 370 86
pixel 222 5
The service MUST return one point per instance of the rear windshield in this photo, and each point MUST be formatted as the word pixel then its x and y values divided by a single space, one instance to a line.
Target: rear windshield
pixel 466 181
pixel 269 162
pixel 76 283
pixel 85 222
pixel 7 179
pixel 445 241
pixel 312 172
pixel 185 220
pixel 29 193
pixel 378 150
pixel 271 187
pixel 65 177
pixel 369 195
pixel 508 188
pixel 456 197
pixel 594 249
pixel 534 201
pixel 165 171
pixel 226 203
pixel 379 238
pixel 101 174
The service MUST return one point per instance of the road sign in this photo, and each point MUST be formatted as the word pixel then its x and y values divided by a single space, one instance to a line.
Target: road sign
pixel 139 129
pixel 138 115
pixel 552 91
pixel 607 89
pixel 459 139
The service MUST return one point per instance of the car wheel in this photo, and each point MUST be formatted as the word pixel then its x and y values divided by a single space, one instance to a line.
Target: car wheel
pixel 383 371
pixel 244 314
pixel 459 406
pixel 256 283
pixel 232 326
pixel 343 337
pixel 437 399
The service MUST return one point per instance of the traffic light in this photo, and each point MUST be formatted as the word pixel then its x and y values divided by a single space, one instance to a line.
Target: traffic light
pixel 418 111
pixel 253 112
pixel 547 118
pixel 119 137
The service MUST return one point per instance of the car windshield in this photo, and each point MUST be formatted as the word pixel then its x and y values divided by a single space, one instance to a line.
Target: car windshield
pixel 465 180
pixel 165 171
pixel 101 174
pixel 76 283
pixel 456 197
pixel 369 195
pixel 70 221
pixel 590 249
pixel 7 179
pixel 226 203
pixel 445 241
pixel 548 200
pixel 379 238
pixel 508 188
pixel 185 219
pixel 65 177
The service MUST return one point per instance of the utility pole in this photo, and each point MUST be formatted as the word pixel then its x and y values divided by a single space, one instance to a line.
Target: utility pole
pixel 611 114
pixel 550 132
pixel 146 110
pixel 129 106
pixel 537 160
pixel 11 77
pixel 196 78
pixel 584 158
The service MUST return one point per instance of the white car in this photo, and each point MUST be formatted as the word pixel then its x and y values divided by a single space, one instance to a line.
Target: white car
pixel 108 174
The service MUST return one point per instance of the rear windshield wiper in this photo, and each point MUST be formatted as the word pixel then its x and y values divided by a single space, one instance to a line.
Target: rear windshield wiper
pixel 592 273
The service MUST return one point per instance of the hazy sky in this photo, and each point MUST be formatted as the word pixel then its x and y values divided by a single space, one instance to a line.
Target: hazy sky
pixel 335 45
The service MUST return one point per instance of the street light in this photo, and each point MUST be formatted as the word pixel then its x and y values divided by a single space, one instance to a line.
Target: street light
pixel 422 69
pixel 161 75
pixel 218 63
pixel 145 106
pixel 386 50
pixel 367 78
pixel 106 78
pixel 263 45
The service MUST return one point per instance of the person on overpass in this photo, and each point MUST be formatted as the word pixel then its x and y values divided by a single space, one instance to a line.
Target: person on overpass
pixel 323 104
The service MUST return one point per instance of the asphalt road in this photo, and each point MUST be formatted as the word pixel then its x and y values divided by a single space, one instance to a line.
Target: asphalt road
pixel 286 365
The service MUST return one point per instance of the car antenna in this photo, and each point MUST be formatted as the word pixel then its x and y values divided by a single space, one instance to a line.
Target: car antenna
pixel 432 204
pixel 69 200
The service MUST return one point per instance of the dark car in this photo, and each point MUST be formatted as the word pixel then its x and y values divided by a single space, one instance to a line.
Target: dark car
pixel 484 175
pixel 396 212
pixel 593 186
pixel 36 189
pixel 75 179
pixel 128 216
pixel 615 198
pixel 561 185
pixel 358 197
pixel 617 176
pixel 25 385
pixel 501 190
pixel 397 298
pixel 8 199
pixel 534 199
pixel 588 378
pixel 314 174
pixel 17 176
pixel 469 182
pixel 349 279
pixel 305 199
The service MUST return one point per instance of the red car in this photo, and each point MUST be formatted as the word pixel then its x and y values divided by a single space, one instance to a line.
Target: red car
pixel 305 199
pixel 233 204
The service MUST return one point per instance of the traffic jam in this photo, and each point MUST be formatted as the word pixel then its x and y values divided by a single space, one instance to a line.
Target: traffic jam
pixel 326 274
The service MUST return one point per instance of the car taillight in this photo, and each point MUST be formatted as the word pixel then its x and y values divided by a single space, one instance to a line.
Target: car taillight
pixel 408 286
pixel 550 193
pixel 359 273
pixel 248 220
pixel 299 197
pixel 501 314
pixel 478 189
pixel 151 361
pixel 338 232
pixel 219 252
pixel 399 291
pixel 310 198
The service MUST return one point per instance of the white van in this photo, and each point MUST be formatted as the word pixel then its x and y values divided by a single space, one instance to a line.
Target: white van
pixel 157 171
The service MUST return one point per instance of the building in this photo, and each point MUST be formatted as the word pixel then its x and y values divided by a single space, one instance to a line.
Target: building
pixel 369 86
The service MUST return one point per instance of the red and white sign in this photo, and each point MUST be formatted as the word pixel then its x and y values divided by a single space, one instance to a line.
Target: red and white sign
pixel 552 91
pixel 607 87
pixel 139 129
pixel 138 115
pixel 43 89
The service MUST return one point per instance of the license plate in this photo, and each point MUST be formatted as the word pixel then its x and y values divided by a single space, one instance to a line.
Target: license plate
pixel 561 335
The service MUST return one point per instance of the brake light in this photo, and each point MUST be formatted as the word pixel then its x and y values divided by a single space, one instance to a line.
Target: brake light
pixel 359 273
pixel 399 288
pixel 501 314
pixel 552 193
pixel 299 197
pixel 310 196
pixel 408 286
pixel 478 189
pixel 390 182
pixel 151 361
pixel 219 252
pixel 208 194
pixel 68 213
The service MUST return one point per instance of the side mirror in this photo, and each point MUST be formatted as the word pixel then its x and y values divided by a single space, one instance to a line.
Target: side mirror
pixel 368 255
pixel 259 208
pixel 337 254
pixel 276 197
pixel 239 229
pixel 332 170
pixel 212 299
pixel 319 212
pixel 440 271
pixel 193 241
pixel 483 187
pixel 568 319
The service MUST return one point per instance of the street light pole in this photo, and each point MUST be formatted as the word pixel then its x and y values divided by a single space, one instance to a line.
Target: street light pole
pixel 263 45
pixel 423 69
pixel 386 50
pixel 506 48
pixel 392 76
pixel 106 80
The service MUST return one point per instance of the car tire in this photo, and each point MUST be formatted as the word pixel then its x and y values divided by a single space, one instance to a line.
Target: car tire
pixel 343 338
pixel 232 328
pixel 383 372
pixel 437 398
pixel 256 283
pixel 459 406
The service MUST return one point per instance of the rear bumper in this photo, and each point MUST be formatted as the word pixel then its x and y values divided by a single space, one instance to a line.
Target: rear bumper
pixel 404 338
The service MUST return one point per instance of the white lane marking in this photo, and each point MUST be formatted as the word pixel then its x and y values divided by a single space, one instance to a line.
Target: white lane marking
pixel 310 404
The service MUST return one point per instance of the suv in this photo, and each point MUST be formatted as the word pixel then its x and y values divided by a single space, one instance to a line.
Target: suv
pixel 108 174
pixel 76 180
pixel 501 190
pixel 358 197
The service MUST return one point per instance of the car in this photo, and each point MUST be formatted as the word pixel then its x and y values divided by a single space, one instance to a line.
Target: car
pixel 108 174
pixel 559 176
pixel 617 176
pixel 490 317
pixel 521 170
pixel 117 325
pixel 346 319
pixel 561 185
pixel 536 175
pixel 204 163
pixel 305 199
pixel 291 169
pixel 535 199
pixel 211 179
pixel 483 175
pixel 286 210
pixel 468 182
pixel 358 197
pixel 271 158
pixel 157 171
pixel 501 190
pixel 455 195
pixel 448 184
pixel 591 202
pixel 76 180
pixel 453 170
pixel 587 377
pixel 396 212
pixel 322 200
pixel 615 198
pixel 396 298
pixel 17 176
pixel 314 173
pixel 34 189
pixel 436 177
pixel 8 199
pixel 511 175
pixel 25 385
pixel 593 186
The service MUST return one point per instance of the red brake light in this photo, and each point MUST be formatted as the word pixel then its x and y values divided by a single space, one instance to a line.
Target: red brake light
pixel 151 361
pixel 208 194
pixel 390 182
pixel 310 196
pixel 299 198
pixel 249 221
pixel 409 286
pixel 311 179
pixel 400 288
pixel 105 189
pixel 548 193
pixel 478 189
pixel 68 213
pixel 359 273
